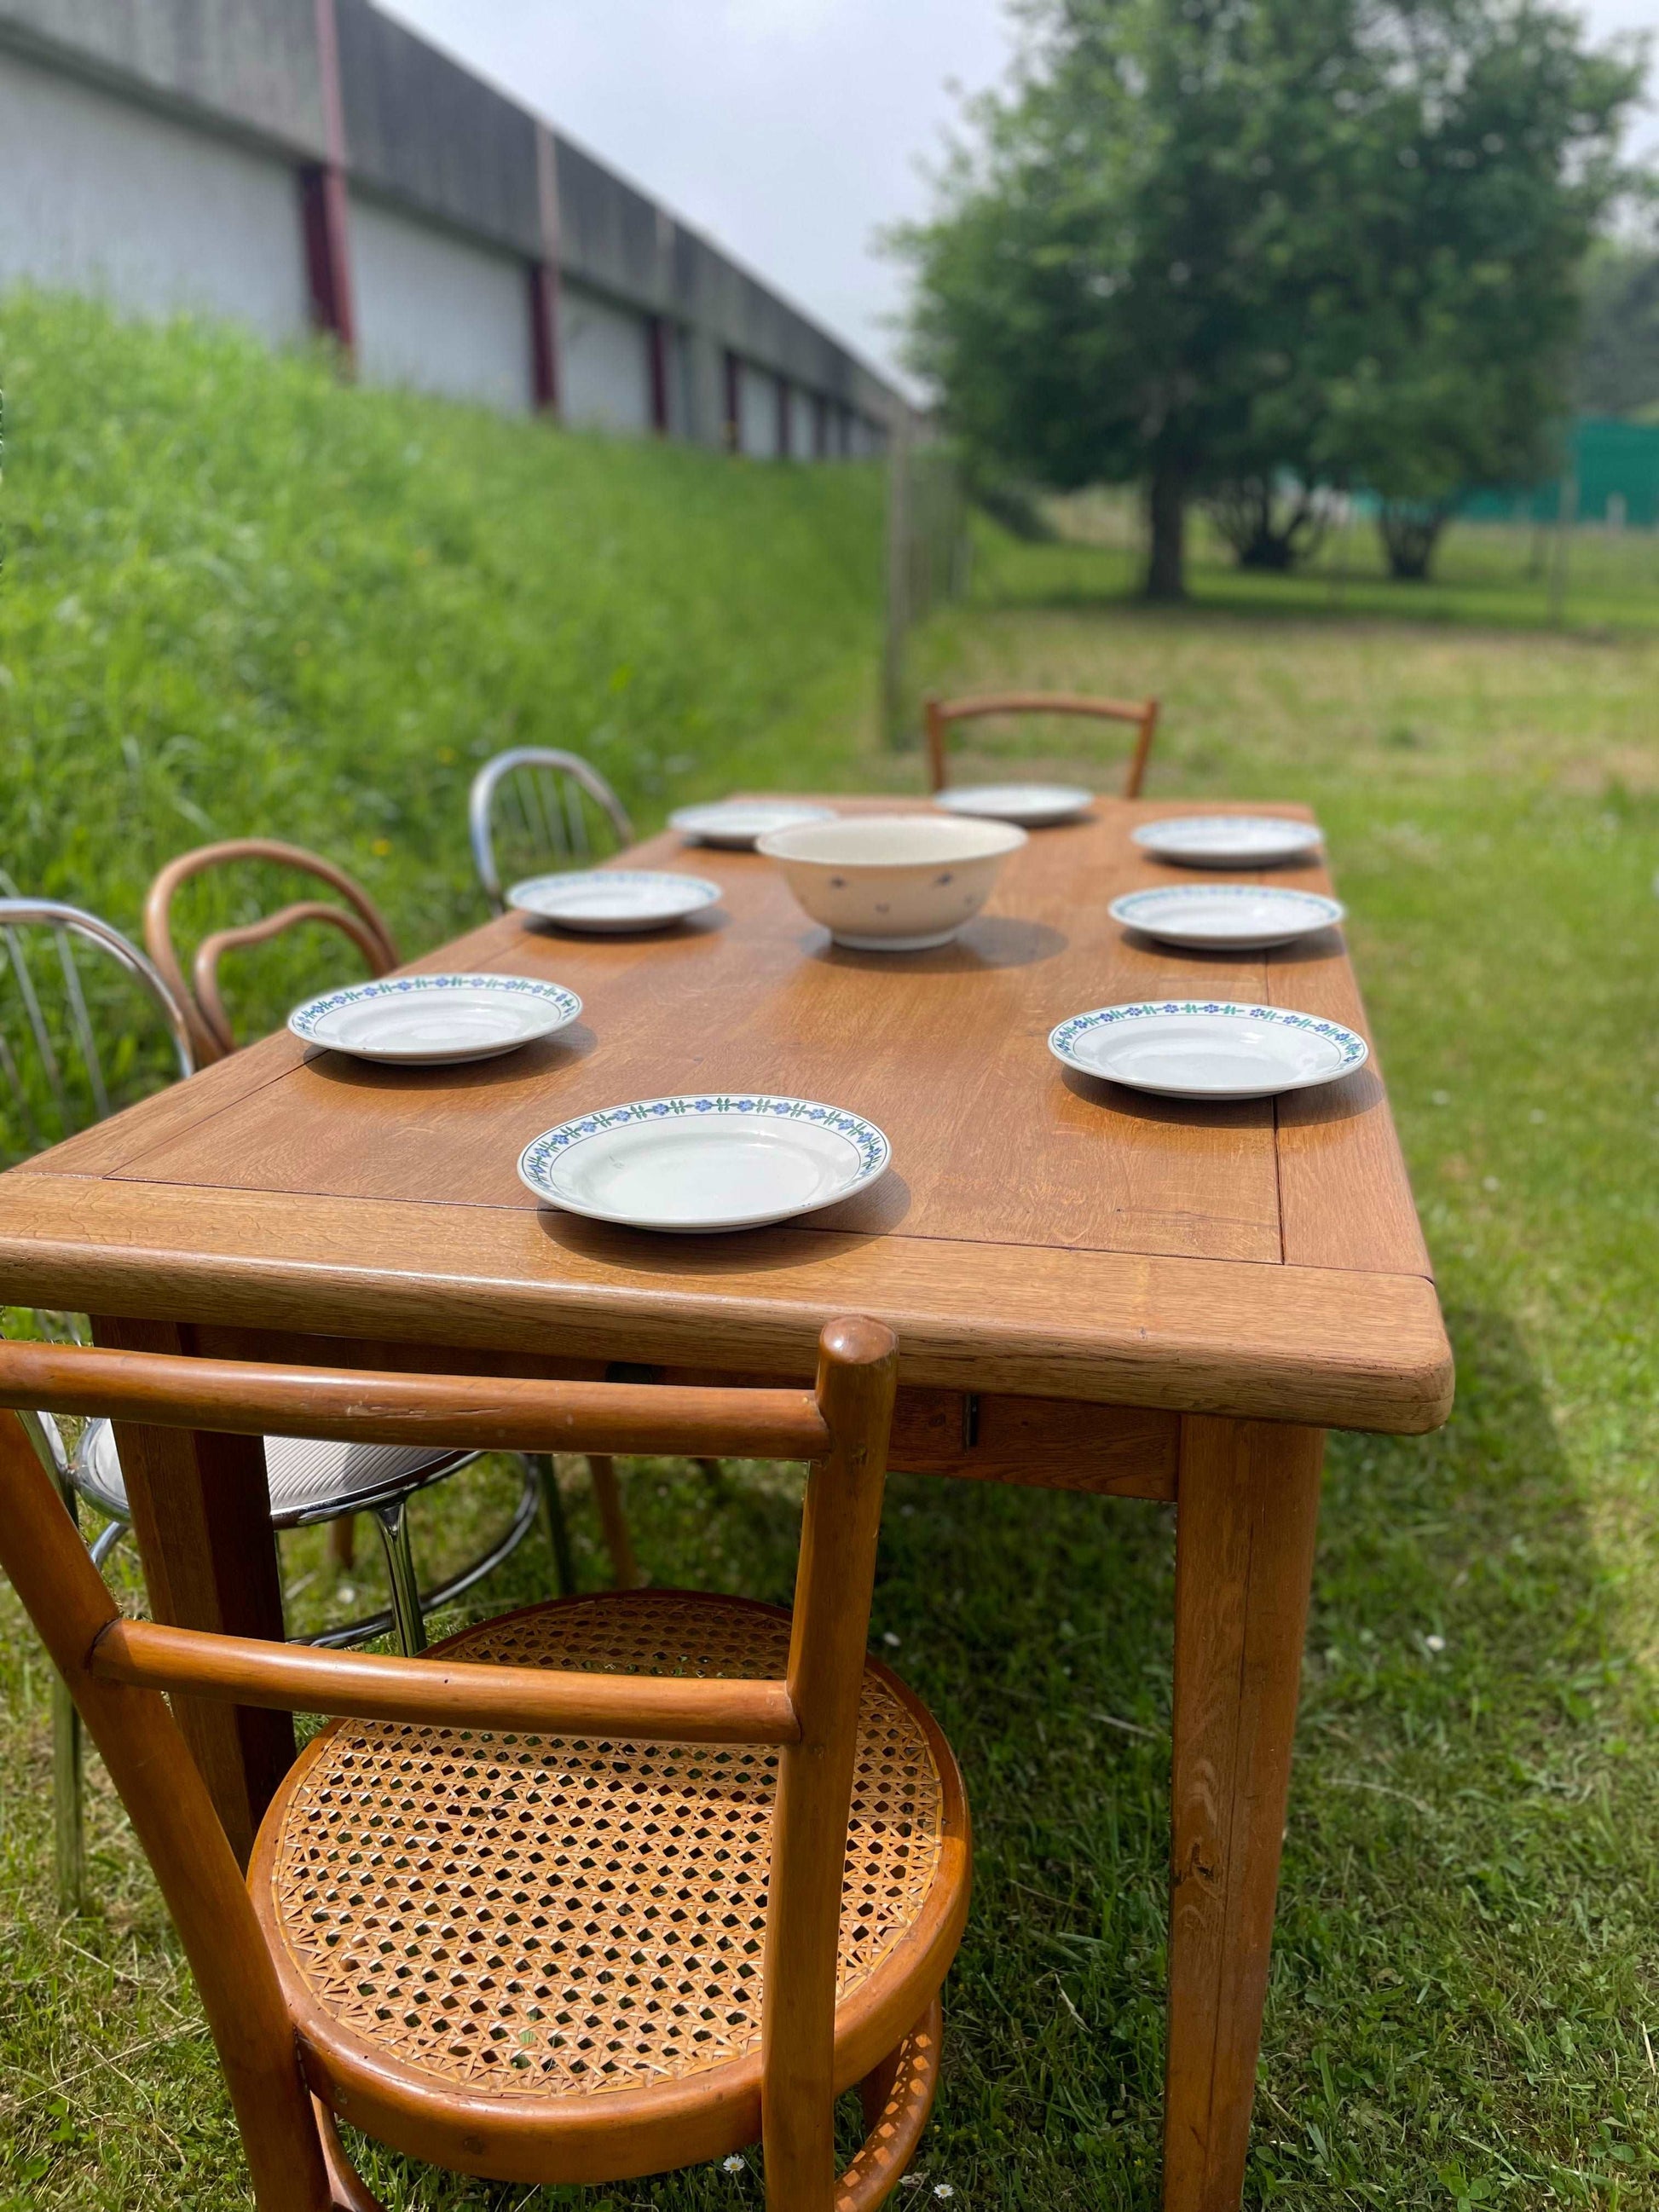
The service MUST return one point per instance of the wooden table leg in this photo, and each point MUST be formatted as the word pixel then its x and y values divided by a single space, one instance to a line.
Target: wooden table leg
pixel 1246 1511
pixel 201 1515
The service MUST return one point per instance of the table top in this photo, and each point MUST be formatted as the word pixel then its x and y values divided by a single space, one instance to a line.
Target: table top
pixel 1039 1232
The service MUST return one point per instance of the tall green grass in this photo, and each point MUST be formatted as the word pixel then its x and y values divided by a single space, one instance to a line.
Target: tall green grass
pixel 239 598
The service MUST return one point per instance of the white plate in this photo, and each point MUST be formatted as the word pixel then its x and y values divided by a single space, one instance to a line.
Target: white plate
pixel 726 1160
pixel 1033 805
pixel 425 1021
pixel 1227 840
pixel 736 822
pixel 608 902
pixel 1207 1048
pixel 1232 917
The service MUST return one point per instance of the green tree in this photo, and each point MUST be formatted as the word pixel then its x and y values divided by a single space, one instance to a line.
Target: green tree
pixel 1618 371
pixel 1204 244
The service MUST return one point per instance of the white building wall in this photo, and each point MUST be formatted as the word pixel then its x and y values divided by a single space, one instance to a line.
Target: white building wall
pixel 801 424
pixel 605 364
pixel 438 314
pixel 100 195
pixel 758 413
pixel 680 417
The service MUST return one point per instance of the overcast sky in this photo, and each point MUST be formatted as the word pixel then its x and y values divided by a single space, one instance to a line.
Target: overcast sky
pixel 790 132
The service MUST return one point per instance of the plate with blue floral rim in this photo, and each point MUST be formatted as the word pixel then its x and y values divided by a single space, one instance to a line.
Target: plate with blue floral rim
pixel 613 902
pixel 737 822
pixel 1207 1048
pixel 1228 840
pixel 1226 917
pixel 429 1021
pixel 705 1162
pixel 1032 805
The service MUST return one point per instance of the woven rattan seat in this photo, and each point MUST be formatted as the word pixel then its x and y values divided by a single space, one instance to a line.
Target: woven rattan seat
pixel 612 1885
pixel 531 1920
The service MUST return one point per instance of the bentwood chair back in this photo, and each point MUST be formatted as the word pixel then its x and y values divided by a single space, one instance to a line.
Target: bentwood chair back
pixel 535 810
pixel 938 715
pixel 702 1857
pixel 354 914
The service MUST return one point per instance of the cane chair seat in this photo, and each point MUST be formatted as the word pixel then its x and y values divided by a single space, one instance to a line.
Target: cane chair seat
pixel 310 1479
pixel 492 1944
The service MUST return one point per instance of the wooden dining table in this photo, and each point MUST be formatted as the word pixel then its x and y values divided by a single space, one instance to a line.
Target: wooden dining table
pixel 1093 1290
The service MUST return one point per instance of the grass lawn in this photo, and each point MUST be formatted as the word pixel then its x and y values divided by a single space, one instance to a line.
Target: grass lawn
pixel 1464 2010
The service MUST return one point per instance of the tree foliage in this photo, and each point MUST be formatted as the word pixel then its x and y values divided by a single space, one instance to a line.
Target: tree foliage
pixel 1618 369
pixel 1202 244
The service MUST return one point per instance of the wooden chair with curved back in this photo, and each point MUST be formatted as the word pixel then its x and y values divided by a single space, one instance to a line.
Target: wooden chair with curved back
pixel 358 919
pixel 610 1884
pixel 938 715
pixel 361 921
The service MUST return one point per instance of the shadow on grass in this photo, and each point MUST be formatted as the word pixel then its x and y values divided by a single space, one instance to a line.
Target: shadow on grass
pixel 1459 1883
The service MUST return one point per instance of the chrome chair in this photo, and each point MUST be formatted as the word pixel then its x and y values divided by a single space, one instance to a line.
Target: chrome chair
pixel 55 1082
pixel 545 807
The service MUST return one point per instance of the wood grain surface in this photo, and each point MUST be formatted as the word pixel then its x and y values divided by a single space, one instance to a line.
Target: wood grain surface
pixel 1039 1234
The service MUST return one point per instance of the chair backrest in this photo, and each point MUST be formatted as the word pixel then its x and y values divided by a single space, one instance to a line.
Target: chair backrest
pixel 359 919
pixel 117 1670
pixel 534 810
pixel 938 715
pixel 52 1065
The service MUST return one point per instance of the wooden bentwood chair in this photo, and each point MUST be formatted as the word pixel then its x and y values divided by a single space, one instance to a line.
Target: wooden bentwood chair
pixel 938 715
pixel 361 921
pixel 613 1884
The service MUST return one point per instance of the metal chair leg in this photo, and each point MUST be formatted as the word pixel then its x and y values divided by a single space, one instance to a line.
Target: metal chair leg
pixel 69 1853
pixel 607 1496
pixel 67 1766
pixel 410 1622
pixel 558 1528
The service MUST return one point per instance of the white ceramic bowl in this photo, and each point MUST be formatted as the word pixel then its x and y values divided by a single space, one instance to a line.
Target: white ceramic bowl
pixel 892 883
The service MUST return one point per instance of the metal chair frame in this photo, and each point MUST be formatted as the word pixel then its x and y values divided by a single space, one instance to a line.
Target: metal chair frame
pixel 548 786
pixel 386 1501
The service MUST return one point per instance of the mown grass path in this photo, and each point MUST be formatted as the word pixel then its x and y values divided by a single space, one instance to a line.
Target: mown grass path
pixel 1464 2010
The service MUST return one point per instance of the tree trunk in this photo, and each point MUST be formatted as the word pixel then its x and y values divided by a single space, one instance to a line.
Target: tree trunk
pixel 1410 531
pixel 1166 514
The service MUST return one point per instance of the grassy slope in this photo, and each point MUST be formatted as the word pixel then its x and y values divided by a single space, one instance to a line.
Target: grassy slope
pixel 1466 1968
pixel 239 599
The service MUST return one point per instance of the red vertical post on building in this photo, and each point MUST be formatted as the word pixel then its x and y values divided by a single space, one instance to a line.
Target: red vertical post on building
pixel 544 282
pixel 324 206
pixel 657 341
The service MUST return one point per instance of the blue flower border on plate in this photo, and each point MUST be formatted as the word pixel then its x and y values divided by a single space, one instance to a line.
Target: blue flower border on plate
pixel 304 1019
pixel 1355 1049
pixel 1156 891
pixel 1143 832
pixel 871 1145
pixel 711 890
